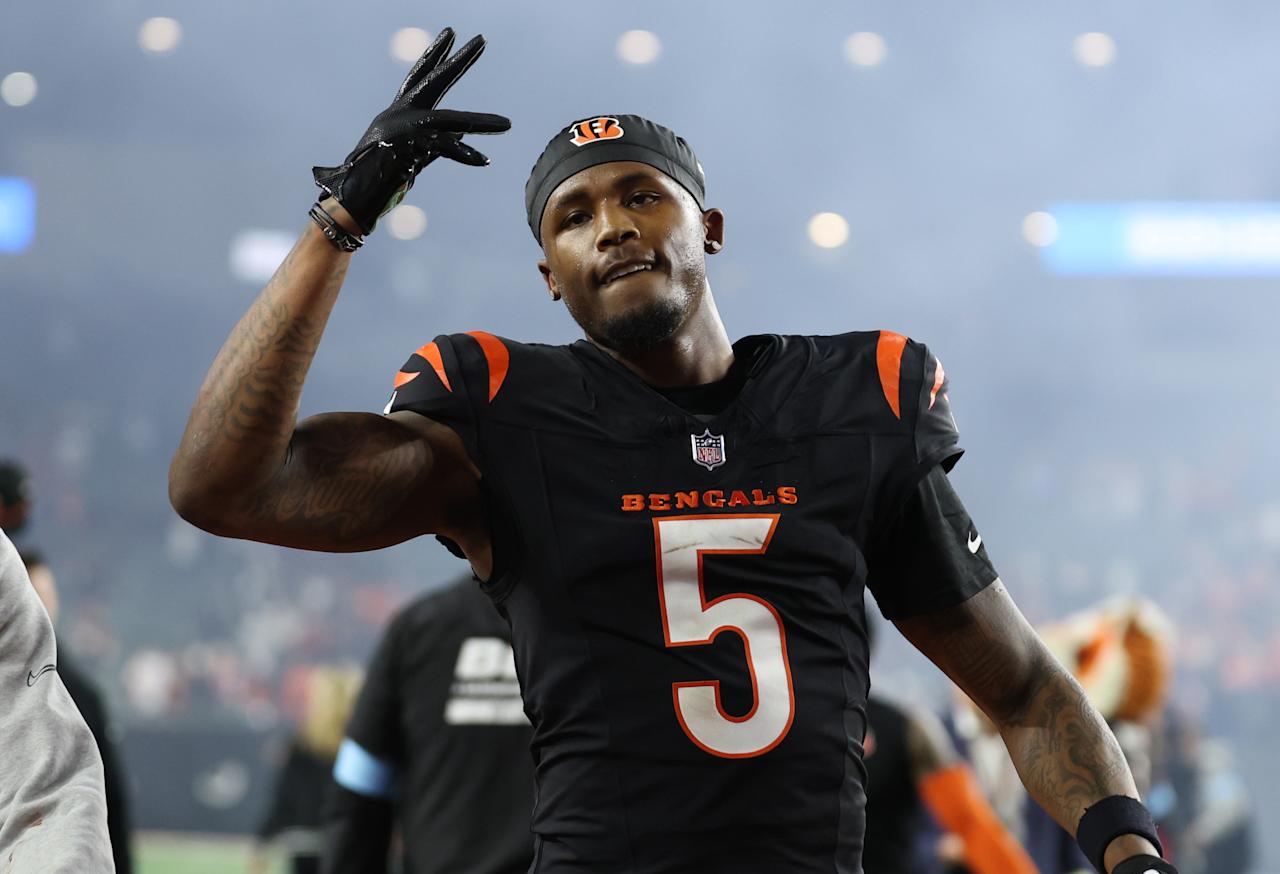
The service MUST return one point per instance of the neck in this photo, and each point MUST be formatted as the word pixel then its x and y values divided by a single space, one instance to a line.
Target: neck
pixel 699 352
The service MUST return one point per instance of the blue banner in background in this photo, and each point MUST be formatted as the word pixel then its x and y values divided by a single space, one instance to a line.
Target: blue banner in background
pixel 1165 239
pixel 17 214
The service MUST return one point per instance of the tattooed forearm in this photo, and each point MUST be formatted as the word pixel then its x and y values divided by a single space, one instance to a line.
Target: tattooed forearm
pixel 1065 753
pixel 259 392
pixel 1067 756
pixel 257 378
pixel 243 417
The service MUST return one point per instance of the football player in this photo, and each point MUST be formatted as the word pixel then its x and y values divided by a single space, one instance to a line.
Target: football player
pixel 678 528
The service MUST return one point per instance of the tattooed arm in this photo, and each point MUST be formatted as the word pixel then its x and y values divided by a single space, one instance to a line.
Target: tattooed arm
pixel 337 482
pixel 1063 750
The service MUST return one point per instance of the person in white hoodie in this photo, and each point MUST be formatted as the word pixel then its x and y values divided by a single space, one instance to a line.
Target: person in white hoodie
pixel 53 809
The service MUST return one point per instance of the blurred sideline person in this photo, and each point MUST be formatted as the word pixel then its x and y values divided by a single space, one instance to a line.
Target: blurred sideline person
pixel 53 810
pixel 295 816
pixel 15 497
pixel 439 743
pixel 910 759
pixel 911 762
pixel 627 497
pixel 88 699
pixel 1206 805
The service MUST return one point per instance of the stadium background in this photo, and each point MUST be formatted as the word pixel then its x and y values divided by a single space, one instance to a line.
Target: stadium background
pixel 1072 206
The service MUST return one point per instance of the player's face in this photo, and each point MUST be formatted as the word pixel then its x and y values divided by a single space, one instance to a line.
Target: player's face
pixel 625 249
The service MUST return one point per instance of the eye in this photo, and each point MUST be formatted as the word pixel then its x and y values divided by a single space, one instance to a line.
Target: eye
pixel 640 198
pixel 573 219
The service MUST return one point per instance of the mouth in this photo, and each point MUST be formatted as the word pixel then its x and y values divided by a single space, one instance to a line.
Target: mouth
pixel 622 271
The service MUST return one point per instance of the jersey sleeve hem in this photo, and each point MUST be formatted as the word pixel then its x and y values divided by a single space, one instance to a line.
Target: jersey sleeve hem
pixel 970 586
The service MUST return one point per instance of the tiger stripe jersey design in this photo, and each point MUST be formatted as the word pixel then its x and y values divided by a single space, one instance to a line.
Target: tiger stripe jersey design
pixel 685 590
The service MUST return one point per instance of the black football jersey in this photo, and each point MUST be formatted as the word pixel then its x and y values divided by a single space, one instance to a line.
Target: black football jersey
pixel 685 593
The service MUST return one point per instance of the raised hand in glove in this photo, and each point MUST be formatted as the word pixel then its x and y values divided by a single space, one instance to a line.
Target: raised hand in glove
pixel 410 134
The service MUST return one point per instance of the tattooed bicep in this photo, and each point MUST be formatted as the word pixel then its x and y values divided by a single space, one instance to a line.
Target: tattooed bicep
pixel 355 481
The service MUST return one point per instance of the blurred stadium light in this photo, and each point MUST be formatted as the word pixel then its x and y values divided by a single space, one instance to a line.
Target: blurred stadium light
pixel 1094 49
pixel 829 230
pixel 256 253
pixel 1168 239
pixel 18 88
pixel 160 35
pixel 866 49
pixel 407 222
pixel 17 214
pixel 408 43
pixel 639 47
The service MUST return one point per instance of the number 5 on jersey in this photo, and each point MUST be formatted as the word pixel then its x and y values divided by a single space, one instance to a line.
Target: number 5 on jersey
pixel 688 619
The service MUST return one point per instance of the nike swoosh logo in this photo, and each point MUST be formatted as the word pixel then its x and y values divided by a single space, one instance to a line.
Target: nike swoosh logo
pixel 975 540
pixel 31 678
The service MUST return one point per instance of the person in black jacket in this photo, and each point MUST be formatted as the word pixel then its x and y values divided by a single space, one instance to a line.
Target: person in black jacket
pixel 88 699
pixel 294 816
pixel 438 741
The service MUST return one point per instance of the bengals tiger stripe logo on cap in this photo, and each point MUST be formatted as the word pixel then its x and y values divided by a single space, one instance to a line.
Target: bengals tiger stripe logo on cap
pixel 593 130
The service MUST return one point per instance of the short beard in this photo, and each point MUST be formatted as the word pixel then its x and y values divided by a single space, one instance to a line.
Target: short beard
pixel 643 328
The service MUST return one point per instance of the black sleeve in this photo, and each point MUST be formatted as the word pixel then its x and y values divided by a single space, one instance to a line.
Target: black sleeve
pixel 929 556
pixel 357 833
pixel 360 805
pixel 375 719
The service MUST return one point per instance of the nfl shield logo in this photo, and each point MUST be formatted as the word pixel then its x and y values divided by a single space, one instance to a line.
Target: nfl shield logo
pixel 708 449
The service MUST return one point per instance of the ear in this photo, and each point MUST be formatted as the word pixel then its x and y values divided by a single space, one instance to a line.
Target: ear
pixel 549 280
pixel 712 231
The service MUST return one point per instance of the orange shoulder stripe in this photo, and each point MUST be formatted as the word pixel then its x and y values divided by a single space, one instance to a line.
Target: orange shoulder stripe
pixel 402 378
pixel 938 379
pixel 889 350
pixel 497 357
pixel 431 353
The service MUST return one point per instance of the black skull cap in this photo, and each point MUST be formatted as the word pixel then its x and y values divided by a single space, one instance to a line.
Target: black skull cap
pixel 599 139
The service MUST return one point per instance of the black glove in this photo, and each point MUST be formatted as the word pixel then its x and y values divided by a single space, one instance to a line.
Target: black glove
pixel 1144 865
pixel 410 134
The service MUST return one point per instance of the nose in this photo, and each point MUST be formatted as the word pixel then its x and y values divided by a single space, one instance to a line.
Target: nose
pixel 614 225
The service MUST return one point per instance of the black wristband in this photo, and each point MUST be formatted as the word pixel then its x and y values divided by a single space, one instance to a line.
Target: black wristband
pixel 1144 865
pixel 335 233
pixel 1109 819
